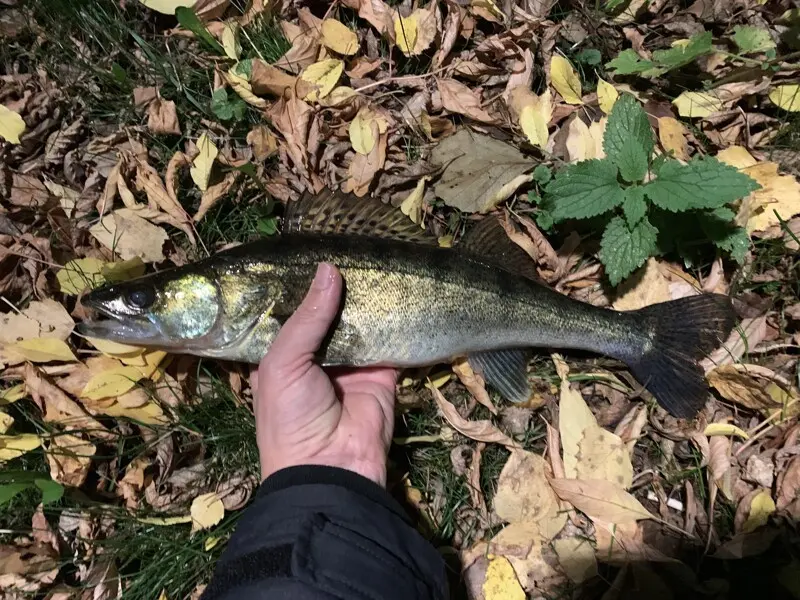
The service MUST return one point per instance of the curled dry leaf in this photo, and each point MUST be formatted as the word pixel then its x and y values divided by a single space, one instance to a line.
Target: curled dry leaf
pixel 474 383
pixel 415 33
pixel 482 431
pixel 747 335
pixel 130 236
pixel 749 389
pixel 262 141
pixel 201 165
pixel 719 465
pixel 412 208
pixel 162 117
pixel 69 458
pixel 460 99
pixel 215 193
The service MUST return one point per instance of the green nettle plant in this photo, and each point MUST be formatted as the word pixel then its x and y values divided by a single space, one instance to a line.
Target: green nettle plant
pixel 647 204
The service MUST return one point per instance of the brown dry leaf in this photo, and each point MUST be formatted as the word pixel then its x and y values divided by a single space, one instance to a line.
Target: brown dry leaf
pixel 537 246
pixel 215 193
pixel 645 287
pixel 576 556
pixel 623 543
pixel 364 167
pixel 522 545
pixel 672 135
pixel 41 319
pixel 130 236
pixel 600 500
pixel 415 33
pixel 458 98
pixel 482 431
pixel 133 483
pixel 149 181
pixel 788 486
pixel 734 383
pixel 304 51
pixel 69 458
pixel 474 383
pixel 58 407
pixel 266 79
pixel 749 334
pixel 719 464
pixel 27 569
pixel 778 193
pixel 162 117
pixel 378 14
pixel 523 492
pixel 574 418
pixel 263 142
pixel 603 455
pixel 292 118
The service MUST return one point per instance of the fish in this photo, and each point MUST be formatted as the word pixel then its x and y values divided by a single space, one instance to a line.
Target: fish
pixel 407 302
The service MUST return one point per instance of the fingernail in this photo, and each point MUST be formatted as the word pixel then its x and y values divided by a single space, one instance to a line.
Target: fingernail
pixel 323 279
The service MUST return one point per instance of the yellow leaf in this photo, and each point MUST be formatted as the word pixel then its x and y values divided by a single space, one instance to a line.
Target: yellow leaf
pixel 761 507
pixel 12 394
pixel 323 75
pixel 412 205
pixel 6 421
pixel 648 286
pixel 565 79
pixel 38 350
pixel 202 163
pixel 167 7
pixel 11 125
pixel 149 414
pixel 230 39
pixel 69 458
pixel 364 131
pixel 166 521
pixel 339 38
pixel 115 349
pixel 211 542
pixel 445 241
pixel 79 274
pixel 340 95
pixel 207 510
pixel 786 97
pixel 150 362
pixel 242 86
pixel 600 499
pixel 523 492
pixel 697 104
pixel 603 455
pixel 737 156
pixel 724 429
pixel 12 446
pixel 163 595
pixel 405 32
pixel 501 582
pixel 534 113
pixel 607 95
pixel 123 270
pixel 672 135
pixel 574 417
pixel 112 383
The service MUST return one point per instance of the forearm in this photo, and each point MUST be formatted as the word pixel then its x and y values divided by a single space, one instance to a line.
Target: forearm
pixel 318 532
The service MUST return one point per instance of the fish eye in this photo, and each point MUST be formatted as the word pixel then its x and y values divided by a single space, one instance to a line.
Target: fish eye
pixel 141 297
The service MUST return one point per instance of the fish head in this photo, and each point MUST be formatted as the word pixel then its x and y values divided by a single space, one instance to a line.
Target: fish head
pixel 173 309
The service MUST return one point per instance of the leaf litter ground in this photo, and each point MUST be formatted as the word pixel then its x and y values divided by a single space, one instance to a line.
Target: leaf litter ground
pixel 638 152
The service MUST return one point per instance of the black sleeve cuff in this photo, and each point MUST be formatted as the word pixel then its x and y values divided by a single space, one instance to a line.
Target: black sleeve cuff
pixel 331 532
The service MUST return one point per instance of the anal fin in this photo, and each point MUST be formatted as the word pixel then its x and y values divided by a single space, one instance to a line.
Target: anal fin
pixel 505 371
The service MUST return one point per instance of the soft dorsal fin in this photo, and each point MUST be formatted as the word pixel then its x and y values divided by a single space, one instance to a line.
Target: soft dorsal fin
pixel 339 213
pixel 489 239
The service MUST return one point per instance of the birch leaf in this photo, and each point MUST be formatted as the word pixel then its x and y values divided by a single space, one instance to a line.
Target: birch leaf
pixel 203 162
pixel 11 125
pixel 565 79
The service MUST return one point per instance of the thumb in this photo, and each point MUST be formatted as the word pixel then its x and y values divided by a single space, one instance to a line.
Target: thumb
pixel 303 333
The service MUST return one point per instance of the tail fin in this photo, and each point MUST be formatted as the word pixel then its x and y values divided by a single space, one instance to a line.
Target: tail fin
pixel 686 330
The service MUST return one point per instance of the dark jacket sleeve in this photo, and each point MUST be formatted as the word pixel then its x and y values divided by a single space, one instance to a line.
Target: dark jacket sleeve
pixel 323 532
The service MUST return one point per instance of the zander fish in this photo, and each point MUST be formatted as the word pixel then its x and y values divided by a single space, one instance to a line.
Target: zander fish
pixel 407 303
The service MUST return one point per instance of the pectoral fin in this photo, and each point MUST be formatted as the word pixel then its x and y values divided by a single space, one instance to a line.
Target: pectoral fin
pixel 505 371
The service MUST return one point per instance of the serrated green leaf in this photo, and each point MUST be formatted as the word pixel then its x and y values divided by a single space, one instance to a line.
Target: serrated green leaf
pixel 583 190
pixel 51 490
pixel 718 225
pixel 751 40
pixel 542 174
pixel 589 56
pixel 628 62
pixel 628 139
pixel 678 56
pixel 701 183
pixel 634 207
pixel 8 491
pixel 188 18
pixel 624 249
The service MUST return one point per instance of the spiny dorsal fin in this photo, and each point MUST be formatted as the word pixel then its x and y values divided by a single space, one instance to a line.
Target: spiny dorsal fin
pixel 489 239
pixel 339 213
pixel 505 371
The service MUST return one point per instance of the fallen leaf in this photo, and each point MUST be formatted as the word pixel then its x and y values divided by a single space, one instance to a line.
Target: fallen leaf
pixel 645 287
pixel 565 79
pixel 292 118
pixel 364 130
pixel 14 446
pixel 130 236
pixel 338 37
pixel 12 394
pixel 603 455
pixel 747 335
pixel 574 418
pixel 415 33
pixel 672 135
pixel 6 421
pixel 11 125
pixel 523 492
pixel 162 117
pixel 724 429
pixel 697 104
pixel 719 465
pixel 533 114
pixel 600 499
pixel 623 544
pixel 363 167
pixel 735 384
pixel 412 208
pixel 607 95
pixel 501 582
pixel 482 431
pixel 522 545
pixel 576 141
pixel 460 99
pixel 79 274
pixel 262 141
pixel 111 382
pixel 202 163
pixel 576 556
pixel 778 193
pixel 214 194
pixel 230 40
pixel 761 507
pixel 323 75
pixel 478 172
pixel 40 350
pixel 206 511
pixel 167 7
pixel 69 458
pixel 786 97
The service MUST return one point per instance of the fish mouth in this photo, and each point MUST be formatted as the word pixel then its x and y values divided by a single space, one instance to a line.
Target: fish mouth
pixel 125 329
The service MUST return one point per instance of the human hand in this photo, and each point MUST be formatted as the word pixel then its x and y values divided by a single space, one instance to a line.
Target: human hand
pixel 305 415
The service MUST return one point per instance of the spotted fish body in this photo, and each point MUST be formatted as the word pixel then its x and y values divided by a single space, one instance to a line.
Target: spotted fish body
pixel 407 303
